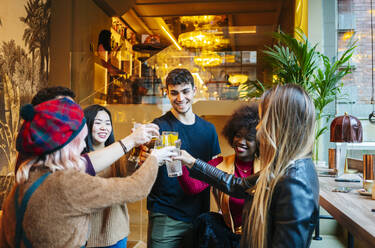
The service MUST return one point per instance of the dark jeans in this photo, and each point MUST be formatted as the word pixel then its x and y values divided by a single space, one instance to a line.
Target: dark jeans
pixel 210 231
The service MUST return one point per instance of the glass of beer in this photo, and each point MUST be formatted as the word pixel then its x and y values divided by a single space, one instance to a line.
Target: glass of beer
pixel 169 138
pixel 133 160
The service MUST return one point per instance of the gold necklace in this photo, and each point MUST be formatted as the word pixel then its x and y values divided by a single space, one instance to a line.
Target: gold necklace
pixel 243 170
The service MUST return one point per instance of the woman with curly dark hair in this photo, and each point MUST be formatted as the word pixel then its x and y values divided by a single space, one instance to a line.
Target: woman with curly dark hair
pixel 222 226
pixel 282 200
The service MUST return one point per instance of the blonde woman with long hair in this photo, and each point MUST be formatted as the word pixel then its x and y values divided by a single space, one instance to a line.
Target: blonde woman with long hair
pixel 282 200
pixel 50 204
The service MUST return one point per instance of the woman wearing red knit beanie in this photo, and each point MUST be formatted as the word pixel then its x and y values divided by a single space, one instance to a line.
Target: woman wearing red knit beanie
pixel 50 204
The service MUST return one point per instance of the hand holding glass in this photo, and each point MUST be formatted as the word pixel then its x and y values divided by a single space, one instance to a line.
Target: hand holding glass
pixel 133 160
pixel 174 167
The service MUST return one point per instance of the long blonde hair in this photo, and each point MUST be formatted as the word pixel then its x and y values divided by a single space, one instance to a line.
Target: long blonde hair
pixel 285 133
pixel 68 157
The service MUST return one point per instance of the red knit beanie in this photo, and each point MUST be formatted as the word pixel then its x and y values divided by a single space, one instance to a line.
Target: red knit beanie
pixel 49 126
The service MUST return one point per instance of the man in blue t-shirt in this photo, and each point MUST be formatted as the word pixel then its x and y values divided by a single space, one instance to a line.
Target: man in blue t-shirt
pixel 171 211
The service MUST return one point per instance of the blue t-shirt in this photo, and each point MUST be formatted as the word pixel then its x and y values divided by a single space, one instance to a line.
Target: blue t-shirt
pixel 167 197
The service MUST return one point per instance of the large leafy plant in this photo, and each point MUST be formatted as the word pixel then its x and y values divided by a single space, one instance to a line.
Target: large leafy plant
pixel 294 60
pixel 250 89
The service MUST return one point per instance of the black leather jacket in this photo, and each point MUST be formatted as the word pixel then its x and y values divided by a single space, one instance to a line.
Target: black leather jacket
pixel 294 209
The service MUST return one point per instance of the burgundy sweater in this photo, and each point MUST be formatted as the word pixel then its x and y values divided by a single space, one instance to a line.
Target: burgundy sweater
pixel 193 186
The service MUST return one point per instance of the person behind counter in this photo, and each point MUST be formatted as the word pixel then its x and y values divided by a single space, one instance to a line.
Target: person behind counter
pixel 107 53
pixel 104 44
pixel 282 206
pixel 50 204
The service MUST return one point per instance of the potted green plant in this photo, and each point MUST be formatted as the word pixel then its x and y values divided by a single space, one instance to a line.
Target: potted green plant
pixel 294 60
pixel 250 89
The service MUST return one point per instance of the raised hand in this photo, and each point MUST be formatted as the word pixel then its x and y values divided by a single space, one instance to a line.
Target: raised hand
pixel 143 154
pixel 186 158
pixel 164 154
pixel 144 133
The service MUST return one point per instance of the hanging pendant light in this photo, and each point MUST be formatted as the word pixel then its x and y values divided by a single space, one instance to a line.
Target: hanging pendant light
pixel 208 58
pixel 237 79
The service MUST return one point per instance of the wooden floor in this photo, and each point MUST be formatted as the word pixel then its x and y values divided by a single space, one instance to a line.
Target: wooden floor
pixel 134 244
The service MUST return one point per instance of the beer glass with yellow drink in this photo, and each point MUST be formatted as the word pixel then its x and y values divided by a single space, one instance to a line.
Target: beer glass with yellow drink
pixel 174 168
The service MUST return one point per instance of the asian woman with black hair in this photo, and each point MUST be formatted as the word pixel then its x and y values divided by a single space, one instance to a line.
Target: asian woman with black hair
pixel 109 227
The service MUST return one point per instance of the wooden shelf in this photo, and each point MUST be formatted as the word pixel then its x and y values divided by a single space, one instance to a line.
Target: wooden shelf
pixel 117 34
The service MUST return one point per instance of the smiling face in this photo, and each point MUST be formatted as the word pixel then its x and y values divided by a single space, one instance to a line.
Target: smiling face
pixel 181 97
pixel 101 128
pixel 244 146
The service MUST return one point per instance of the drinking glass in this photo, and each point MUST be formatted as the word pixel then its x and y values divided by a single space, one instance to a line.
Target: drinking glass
pixel 174 167
pixel 169 138
pixel 133 160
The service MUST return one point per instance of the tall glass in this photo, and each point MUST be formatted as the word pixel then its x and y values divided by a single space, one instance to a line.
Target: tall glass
pixel 174 167
pixel 368 167
pixel 169 138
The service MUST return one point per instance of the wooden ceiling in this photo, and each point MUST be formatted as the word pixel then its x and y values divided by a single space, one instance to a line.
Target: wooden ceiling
pixel 267 15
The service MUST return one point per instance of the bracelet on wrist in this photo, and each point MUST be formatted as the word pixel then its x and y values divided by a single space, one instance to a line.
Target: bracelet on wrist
pixel 123 147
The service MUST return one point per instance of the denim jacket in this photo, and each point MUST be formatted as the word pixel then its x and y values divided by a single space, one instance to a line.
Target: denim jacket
pixel 294 208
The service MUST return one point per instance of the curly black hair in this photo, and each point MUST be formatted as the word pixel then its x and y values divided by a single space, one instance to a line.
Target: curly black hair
pixel 246 117
pixel 49 93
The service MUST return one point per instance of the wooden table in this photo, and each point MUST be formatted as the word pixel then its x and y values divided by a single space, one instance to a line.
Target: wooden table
pixel 351 210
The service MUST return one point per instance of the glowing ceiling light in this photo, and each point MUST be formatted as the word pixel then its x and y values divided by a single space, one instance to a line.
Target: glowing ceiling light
pixel 171 37
pixel 206 59
pixel 197 19
pixel 202 39
pixel 238 30
pixel 237 79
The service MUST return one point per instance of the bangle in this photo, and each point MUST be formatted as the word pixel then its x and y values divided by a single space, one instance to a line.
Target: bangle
pixel 123 147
